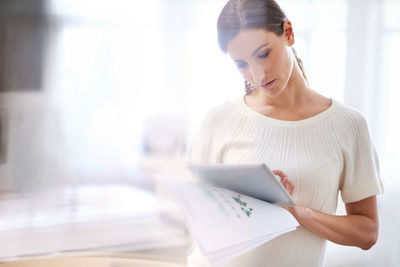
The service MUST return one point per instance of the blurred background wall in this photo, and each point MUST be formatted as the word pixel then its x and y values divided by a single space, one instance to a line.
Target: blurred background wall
pixel 91 91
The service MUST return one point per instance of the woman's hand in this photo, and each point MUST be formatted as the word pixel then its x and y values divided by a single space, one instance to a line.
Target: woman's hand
pixel 289 186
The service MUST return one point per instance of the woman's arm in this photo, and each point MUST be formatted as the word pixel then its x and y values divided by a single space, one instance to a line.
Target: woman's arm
pixel 358 228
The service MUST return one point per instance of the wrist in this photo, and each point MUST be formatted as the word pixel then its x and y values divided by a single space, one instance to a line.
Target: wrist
pixel 301 213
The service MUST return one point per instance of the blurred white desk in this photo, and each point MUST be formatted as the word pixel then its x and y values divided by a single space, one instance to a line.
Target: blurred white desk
pixel 86 220
pixel 90 261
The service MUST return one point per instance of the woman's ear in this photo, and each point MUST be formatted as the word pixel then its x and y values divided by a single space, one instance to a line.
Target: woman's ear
pixel 288 32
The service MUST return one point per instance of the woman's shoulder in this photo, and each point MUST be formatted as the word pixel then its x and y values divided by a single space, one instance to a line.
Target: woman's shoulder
pixel 349 117
pixel 221 113
pixel 348 111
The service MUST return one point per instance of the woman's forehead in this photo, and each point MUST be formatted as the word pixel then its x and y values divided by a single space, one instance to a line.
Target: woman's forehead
pixel 248 41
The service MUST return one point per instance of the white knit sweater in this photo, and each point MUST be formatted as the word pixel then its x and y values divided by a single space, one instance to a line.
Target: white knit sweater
pixel 321 155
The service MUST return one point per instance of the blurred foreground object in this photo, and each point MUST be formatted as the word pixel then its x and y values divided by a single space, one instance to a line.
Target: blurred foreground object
pixel 91 261
pixel 93 218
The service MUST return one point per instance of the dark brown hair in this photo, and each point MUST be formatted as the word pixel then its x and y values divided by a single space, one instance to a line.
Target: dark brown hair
pixel 238 15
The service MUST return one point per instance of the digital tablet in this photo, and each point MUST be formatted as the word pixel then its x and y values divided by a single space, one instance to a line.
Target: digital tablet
pixel 255 180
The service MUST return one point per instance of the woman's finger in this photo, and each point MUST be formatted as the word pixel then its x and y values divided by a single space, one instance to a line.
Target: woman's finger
pixel 289 186
pixel 279 173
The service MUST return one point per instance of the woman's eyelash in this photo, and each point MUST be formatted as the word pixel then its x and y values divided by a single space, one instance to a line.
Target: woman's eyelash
pixel 241 65
pixel 263 55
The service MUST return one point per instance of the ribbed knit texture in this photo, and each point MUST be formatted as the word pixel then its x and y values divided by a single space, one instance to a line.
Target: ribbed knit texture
pixel 321 155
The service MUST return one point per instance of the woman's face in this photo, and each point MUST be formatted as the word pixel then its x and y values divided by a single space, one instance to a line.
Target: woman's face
pixel 263 58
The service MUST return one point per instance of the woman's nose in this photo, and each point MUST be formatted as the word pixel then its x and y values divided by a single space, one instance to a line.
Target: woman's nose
pixel 258 73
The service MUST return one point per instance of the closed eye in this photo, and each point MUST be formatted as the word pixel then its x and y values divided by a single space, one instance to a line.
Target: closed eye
pixel 263 55
pixel 241 65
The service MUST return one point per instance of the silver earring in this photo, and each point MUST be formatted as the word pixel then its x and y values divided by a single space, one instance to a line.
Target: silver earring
pixel 248 87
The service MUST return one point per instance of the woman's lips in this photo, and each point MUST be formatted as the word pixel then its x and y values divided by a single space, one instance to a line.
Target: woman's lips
pixel 266 85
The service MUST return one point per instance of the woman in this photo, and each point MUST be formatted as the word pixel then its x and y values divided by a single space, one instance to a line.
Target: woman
pixel 316 145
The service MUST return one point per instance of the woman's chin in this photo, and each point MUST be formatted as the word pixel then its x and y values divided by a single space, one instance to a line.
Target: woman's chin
pixel 270 92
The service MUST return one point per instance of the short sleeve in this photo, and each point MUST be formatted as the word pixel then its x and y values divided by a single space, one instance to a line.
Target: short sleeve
pixel 360 178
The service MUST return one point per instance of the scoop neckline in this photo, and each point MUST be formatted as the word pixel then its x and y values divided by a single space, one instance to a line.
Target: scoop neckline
pixel 318 117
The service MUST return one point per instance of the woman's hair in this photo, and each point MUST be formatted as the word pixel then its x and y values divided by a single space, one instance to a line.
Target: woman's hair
pixel 238 15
